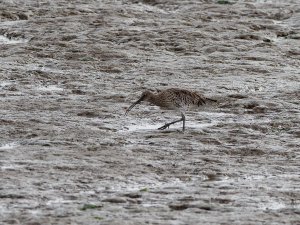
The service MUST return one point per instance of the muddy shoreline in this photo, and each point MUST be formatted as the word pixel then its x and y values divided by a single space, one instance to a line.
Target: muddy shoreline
pixel 69 70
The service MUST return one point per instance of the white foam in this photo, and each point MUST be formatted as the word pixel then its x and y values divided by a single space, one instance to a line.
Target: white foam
pixel 201 125
pixel 141 127
pixel 51 88
pixel 272 205
pixel 10 167
pixel 8 146
pixel 150 127
pixel 57 201
pixel 5 83
pixel 5 40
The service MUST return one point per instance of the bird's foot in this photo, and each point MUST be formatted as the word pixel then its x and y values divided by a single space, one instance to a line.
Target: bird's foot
pixel 167 125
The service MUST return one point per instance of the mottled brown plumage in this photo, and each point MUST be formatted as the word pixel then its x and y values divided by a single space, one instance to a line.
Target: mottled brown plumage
pixel 173 99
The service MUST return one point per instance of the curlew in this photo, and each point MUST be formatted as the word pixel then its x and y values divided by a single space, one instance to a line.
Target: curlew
pixel 173 99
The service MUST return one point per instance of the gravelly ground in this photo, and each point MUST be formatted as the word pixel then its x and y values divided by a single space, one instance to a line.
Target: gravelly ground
pixel 69 69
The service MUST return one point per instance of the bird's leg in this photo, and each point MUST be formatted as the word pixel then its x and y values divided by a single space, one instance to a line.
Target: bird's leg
pixel 183 121
pixel 168 124
pixel 176 121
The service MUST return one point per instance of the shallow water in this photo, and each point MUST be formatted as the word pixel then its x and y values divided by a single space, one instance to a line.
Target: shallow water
pixel 69 155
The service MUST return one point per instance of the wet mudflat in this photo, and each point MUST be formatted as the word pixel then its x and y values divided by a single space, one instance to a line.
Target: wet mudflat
pixel 69 70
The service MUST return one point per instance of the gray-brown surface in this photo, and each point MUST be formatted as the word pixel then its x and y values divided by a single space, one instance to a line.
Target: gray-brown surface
pixel 69 70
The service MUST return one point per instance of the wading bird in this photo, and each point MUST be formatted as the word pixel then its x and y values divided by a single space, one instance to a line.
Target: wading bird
pixel 173 99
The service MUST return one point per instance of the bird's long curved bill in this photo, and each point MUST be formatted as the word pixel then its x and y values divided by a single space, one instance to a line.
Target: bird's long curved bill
pixel 130 107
